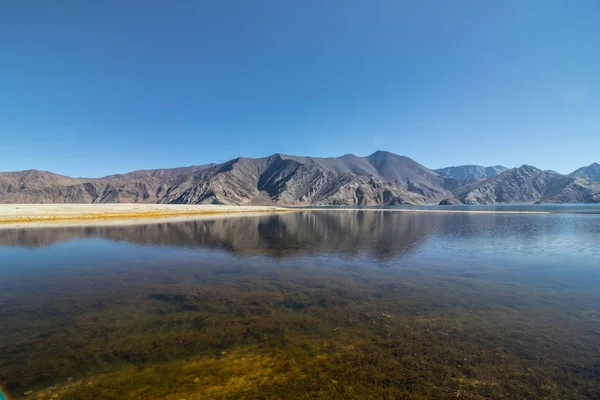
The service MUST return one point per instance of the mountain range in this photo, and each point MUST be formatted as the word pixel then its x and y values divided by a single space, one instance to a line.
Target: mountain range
pixel 464 172
pixel 383 178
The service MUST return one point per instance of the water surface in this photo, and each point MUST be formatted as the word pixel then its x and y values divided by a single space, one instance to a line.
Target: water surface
pixel 316 304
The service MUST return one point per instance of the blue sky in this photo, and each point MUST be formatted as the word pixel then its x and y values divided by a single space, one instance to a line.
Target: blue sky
pixel 90 88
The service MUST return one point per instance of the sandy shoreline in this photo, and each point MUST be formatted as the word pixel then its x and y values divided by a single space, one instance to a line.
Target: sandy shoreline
pixel 59 214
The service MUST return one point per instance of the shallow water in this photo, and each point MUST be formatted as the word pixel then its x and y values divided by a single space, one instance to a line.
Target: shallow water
pixel 315 304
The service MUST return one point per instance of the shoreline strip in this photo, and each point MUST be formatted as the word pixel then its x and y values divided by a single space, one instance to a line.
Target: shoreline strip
pixel 131 215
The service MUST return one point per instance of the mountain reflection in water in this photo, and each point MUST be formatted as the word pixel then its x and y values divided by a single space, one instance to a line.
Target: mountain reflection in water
pixel 383 234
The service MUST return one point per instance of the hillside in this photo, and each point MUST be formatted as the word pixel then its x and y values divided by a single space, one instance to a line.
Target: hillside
pixel 383 178
pixel 466 172
pixel 591 172
pixel 528 184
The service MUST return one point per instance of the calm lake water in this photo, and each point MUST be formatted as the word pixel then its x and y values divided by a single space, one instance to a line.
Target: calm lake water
pixel 316 304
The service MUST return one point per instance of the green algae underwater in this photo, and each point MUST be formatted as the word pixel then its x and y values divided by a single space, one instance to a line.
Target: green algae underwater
pixel 311 305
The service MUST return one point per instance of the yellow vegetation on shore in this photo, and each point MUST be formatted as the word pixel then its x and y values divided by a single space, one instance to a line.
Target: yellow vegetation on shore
pixel 130 215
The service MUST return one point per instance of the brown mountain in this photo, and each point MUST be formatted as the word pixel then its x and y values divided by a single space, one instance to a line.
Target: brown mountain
pixel 382 178
pixel 404 171
pixel 528 184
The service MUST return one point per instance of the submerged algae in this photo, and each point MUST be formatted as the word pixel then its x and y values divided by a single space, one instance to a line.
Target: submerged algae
pixel 274 333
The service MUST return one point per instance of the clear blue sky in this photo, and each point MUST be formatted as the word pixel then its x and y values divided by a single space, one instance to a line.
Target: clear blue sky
pixel 89 88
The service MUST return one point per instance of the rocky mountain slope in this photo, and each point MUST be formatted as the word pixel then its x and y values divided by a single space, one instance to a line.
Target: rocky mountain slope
pixel 466 172
pixel 382 178
pixel 528 184
pixel 591 172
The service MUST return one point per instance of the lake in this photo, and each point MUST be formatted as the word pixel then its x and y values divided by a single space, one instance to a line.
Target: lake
pixel 333 304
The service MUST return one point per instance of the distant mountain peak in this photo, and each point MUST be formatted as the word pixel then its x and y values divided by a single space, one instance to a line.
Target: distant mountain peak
pixel 528 184
pixel 381 152
pixel 591 172
pixel 471 171
pixel 529 167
